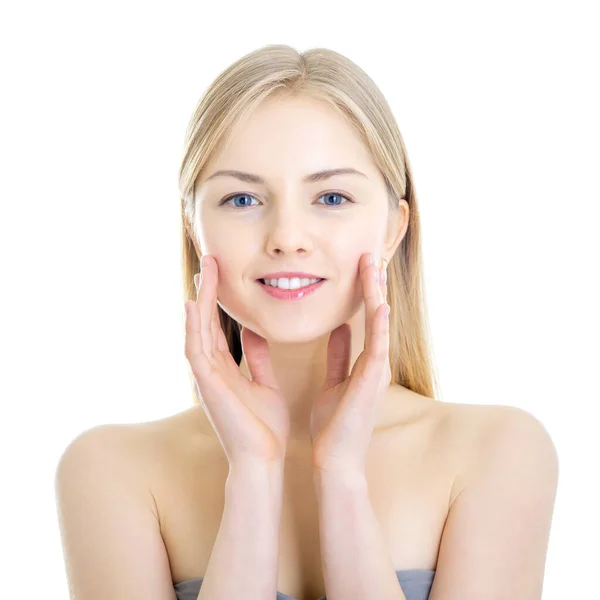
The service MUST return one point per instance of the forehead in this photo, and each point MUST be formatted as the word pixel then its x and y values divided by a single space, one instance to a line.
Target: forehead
pixel 287 138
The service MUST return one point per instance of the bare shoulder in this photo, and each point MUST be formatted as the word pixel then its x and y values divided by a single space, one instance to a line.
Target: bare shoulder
pixel 476 432
pixel 100 443
pixel 483 426
pixel 137 452
pixel 119 449
pixel 108 518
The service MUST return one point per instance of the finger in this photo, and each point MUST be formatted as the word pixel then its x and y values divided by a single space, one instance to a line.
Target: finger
pixel 380 337
pixel 338 355
pixel 386 317
pixel 384 292
pixel 219 342
pixel 194 349
pixel 222 352
pixel 258 357
pixel 205 304
pixel 215 392
pixel 222 345
pixel 377 337
pixel 193 340
pixel 383 280
pixel 372 294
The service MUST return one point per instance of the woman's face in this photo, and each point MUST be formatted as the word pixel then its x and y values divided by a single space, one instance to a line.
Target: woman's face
pixel 285 223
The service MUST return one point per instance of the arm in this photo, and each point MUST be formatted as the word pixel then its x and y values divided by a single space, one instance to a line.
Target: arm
pixel 244 559
pixel 356 562
pixel 109 526
pixel 496 535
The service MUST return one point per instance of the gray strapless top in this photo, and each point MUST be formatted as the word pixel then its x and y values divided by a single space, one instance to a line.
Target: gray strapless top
pixel 415 583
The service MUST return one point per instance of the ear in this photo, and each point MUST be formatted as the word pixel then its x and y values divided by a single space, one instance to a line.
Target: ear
pixel 397 227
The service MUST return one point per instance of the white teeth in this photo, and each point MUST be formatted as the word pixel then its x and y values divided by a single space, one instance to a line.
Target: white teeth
pixel 290 284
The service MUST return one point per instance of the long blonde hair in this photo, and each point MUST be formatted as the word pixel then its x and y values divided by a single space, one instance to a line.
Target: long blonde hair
pixel 328 76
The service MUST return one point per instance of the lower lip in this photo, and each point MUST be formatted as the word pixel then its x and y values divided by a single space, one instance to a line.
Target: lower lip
pixel 291 294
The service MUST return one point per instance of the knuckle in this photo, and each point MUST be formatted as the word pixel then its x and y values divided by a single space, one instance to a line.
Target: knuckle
pixel 192 354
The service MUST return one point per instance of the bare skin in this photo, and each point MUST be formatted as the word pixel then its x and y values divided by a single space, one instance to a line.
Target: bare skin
pixel 419 446
pixel 416 461
pixel 421 453
pixel 321 227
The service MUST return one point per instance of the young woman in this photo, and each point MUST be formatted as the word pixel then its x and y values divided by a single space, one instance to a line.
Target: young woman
pixel 316 458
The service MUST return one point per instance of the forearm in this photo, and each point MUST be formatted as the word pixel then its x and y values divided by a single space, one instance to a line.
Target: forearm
pixel 356 561
pixel 244 559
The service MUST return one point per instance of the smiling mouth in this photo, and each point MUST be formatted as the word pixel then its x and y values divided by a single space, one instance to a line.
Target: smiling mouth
pixel 291 293
pixel 279 288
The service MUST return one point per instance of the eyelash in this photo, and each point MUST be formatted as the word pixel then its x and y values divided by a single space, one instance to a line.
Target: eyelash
pixel 228 198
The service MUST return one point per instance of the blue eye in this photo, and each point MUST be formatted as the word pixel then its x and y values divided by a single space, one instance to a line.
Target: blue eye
pixel 226 200
pixel 236 196
pixel 335 194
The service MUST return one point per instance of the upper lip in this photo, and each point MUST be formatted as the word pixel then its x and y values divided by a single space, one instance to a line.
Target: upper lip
pixel 290 275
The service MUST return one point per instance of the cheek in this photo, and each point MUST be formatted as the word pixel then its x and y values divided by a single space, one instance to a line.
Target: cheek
pixel 350 253
pixel 357 240
pixel 236 291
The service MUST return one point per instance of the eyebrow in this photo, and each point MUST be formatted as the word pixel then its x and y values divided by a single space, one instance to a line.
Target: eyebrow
pixel 312 178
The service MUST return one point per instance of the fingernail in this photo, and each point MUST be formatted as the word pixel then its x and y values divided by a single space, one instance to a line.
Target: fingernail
pixel 197 280
pixel 387 311
pixel 371 258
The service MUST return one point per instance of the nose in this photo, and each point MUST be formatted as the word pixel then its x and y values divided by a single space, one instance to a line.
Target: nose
pixel 289 229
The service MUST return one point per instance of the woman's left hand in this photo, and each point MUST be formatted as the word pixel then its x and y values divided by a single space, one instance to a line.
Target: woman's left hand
pixel 344 414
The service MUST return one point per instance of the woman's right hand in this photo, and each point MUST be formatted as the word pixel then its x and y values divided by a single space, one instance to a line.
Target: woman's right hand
pixel 250 418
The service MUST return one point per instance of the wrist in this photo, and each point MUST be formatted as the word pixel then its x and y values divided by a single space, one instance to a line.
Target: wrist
pixel 339 479
pixel 263 482
pixel 248 469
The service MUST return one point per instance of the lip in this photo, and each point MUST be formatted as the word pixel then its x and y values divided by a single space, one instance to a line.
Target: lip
pixel 290 275
pixel 298 294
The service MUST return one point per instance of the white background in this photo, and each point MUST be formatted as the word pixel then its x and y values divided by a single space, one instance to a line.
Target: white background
pixel 498 106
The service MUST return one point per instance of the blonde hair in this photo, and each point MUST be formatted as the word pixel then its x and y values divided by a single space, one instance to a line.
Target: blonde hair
pixel 279 70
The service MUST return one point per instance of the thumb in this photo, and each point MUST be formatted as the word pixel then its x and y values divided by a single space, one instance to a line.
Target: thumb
pixel 258 358
pixel 338 355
